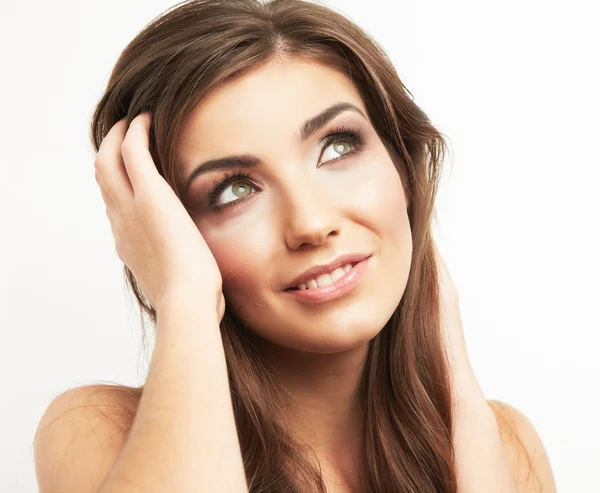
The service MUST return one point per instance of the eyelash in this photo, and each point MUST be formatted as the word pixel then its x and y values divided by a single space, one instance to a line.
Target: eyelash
pixel 338 133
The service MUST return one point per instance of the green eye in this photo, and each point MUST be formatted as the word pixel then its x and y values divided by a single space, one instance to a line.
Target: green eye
pixel 229 190
pixel 234 191
pixel 341 147
pixel 240 189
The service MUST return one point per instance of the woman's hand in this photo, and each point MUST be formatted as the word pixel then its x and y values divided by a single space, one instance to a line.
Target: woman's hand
pixel 154 235
pixel 465 385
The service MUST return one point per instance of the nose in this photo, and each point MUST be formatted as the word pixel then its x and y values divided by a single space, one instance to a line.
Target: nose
pixel 309 213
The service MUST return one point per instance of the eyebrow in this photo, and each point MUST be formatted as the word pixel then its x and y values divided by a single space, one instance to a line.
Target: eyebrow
pixel 309 127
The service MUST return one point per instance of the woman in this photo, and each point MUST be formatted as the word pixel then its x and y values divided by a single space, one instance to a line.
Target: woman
pixel 270 186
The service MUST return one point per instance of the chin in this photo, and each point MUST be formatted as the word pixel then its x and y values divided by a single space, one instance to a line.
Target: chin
pixel 328 332
pixel 315 345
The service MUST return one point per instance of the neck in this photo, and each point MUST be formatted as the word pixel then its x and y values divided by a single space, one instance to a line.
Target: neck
pixel 324 409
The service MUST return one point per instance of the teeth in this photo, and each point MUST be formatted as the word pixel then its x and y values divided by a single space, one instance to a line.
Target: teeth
pixel 337 273
pixel 326 279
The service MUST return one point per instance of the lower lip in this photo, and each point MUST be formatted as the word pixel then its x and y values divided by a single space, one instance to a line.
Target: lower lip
pixel 335 290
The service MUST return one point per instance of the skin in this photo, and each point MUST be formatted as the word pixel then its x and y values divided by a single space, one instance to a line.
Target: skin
pixel 303 211
pixel 300 213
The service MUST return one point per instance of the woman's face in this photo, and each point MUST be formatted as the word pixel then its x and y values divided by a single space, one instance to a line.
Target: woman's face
pixel 306 201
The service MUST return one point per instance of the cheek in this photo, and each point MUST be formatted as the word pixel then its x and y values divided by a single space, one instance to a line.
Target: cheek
pixel 394 216
pixel 378 199
pixel 391 206
pixel 242 256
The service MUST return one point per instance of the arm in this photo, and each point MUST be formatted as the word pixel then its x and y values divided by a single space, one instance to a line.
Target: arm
pixel 183 437
pixel 498 450
pixel 486 459
pixel 481 463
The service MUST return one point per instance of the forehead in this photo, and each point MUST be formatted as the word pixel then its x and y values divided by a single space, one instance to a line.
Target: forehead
pixel 276 97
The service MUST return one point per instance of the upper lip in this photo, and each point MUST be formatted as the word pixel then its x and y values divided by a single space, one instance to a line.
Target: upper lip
pixel 317 270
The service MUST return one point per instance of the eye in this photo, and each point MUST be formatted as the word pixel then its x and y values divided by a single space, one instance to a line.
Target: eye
pixel 230 190
pixel 339 146
pixel 343 141
pixel 237 190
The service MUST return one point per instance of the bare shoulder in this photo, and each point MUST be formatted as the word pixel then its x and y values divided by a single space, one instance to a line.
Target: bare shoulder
pixel 80 437
pixel 523 446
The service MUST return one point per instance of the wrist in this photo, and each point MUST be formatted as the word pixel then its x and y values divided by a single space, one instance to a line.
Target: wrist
pixel 187 298
pixel 471 409
pixel 465 387
pixel 181 315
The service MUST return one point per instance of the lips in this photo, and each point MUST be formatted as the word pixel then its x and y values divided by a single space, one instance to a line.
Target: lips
pixel 321 269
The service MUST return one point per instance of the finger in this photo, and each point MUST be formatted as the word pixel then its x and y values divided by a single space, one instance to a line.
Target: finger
pixel 136 151
pixel 110 205
pixel 111 168
pixel 115 233
pixel 106 196
pixel 110 213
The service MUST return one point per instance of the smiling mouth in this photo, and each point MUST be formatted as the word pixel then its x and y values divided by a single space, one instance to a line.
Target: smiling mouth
pixel 324 279
pixel 331 286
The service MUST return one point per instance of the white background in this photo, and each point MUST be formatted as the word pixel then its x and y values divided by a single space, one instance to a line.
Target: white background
pixel 513 84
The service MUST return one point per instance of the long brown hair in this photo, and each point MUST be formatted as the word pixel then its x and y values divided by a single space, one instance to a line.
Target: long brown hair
pixel 170 66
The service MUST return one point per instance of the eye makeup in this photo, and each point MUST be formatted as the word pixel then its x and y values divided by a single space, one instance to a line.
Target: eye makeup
pixel 220 185
pixel 340 132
